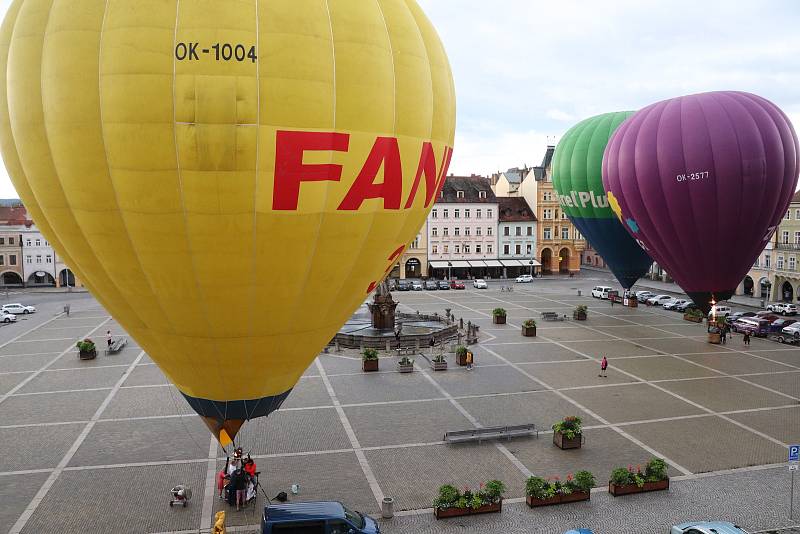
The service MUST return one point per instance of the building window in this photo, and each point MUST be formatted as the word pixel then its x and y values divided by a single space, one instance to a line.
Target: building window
pixel 3 241
pixel 477 214
pixel 797 238
pixel 489 214
pixel 478 231
pixel 780 262
pixel 530 230
pixel 466 230
pixel 12 259
pixel 785 237
pixel 466 213
pixel 528 249
pixel 38 258
pixel 435 214
pixel 477 249
pixel 27 242
pixel 481 194
pixel 506 249
pixel 28 259
pixel 446 249
pixel 49 258
pixel 445 231
pixel 456 231
pixel 548 213
pixel 518 231
pixel 2 260
pixel 788 214
pixel 548 234
pixel 578 235
pixel 435 249
pixel 458 249
pixel 457 213
pixel 792 263
pixel 766 260
pixel 38 242
pixel 415 243
pixel 434 231
pixel 489 231
pixel 488 249
pixel 459 194
pixel 466 249
pixel 506 230
pixel 797 214
pixel 10 240
pixel 517 249
pixel 445 213
pixel 547 196
pixel 565 232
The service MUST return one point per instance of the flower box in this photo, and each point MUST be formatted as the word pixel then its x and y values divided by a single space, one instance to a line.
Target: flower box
pixel 693 318
pixel 529 331
pixel 369 365
pixel 627 489
pixel 575 496
pixel 715 338
pixel 439 366
pixel 461 359
pixel 561 441
pixel 579 316
pixel 499 319
pixel 87 354
pixel 405 368
pixel 443 513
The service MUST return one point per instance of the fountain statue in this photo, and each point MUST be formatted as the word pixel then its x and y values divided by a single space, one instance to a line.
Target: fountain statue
pixel 382 308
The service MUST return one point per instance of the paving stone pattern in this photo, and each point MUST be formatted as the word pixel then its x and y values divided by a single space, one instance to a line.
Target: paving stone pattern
pixel 725 413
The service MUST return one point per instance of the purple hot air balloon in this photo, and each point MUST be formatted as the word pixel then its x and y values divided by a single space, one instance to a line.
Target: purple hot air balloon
pixel 702 182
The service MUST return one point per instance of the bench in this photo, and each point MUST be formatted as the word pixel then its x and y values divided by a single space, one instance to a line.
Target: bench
pixel 116 345
pixel 407 351
pixel 494 432
pixel 552 316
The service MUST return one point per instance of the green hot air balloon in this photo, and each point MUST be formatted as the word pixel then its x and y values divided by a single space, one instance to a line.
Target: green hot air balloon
pixel 578 181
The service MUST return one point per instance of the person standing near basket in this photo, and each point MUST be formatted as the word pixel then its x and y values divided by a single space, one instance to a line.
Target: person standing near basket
pixel 603 367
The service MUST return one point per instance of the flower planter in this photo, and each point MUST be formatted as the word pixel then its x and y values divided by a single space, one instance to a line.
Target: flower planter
pixel 87 354
pixel 369 365
pixel 579 316
pixel 461 359
pixel 693 318
pixel 529 331
pixel 442 513
pixel 561 441
pixel 499 319
pixel 405 368
pixel 575 496
pixel 716 339
pixel 616 491
pixel 439 366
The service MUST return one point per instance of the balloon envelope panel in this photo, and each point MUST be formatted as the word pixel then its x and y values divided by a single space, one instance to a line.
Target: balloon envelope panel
pixel 577 178
pixel 229 178
pixel 703 181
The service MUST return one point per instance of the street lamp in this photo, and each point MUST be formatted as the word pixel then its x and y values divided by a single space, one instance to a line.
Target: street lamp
pixel 449 266
pixel 531 263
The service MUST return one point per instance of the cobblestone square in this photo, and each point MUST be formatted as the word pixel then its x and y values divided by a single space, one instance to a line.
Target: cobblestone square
pixel 115 422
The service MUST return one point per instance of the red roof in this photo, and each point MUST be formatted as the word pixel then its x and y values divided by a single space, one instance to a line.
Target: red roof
pixel 13 215
pixel 515 209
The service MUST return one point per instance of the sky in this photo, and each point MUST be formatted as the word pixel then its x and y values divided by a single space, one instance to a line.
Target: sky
pixel 527 70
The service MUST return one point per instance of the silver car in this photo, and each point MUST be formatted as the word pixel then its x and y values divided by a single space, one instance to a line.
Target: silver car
pixel 18 309
pixel 707 527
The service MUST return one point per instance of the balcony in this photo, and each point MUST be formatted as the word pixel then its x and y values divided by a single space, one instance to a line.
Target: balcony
pixel 788 246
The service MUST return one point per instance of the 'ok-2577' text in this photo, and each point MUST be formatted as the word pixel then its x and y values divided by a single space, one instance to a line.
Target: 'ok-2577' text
pixel 692 176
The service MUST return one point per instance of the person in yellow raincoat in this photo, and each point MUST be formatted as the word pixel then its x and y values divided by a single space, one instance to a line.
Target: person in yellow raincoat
pixel 219 523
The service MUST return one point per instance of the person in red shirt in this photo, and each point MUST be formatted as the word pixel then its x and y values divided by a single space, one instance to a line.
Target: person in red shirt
pixel 250 467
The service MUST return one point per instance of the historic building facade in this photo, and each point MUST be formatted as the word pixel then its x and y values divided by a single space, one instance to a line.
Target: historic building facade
pixel 516 236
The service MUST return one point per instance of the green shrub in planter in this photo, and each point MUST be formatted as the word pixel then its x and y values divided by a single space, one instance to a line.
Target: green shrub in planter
pixel 529 323
pixel 499 312
pixel 570 426
pixel 86 345
pixel 369 354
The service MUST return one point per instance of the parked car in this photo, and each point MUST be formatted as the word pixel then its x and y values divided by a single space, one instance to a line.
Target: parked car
pixel 18 309
pixel 707 527
pixel 404 285
pixel 431 285
pixel 455 284
pixel 416 285
pixel 315 518
pixel 601 292
pixel 784 308
pixel 673 305
pixel 769 316
pixel 792 330
pixel 7 317
pixel 579 531
pixel 720 311
pixel 444 284
pixel 738 315
pixel 642 296
pixel 752 325
pixel 686 306
pixel 479 283
pixel 658 299
pixel 524 279
pixel 779 324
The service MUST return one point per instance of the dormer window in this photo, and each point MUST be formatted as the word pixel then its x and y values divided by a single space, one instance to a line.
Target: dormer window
pixel 459 194
pixel 481 194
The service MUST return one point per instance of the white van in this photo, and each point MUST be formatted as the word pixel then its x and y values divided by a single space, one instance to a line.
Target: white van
pixel 601 292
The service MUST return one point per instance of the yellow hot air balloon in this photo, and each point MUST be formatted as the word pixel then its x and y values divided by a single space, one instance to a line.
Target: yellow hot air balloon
pixel 229 178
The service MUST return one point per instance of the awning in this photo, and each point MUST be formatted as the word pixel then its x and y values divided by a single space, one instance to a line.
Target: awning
pixel 460 264
pixel 512 263
pixel 536 263
pixel 493 263
pixel 439 265
pixel 477 263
